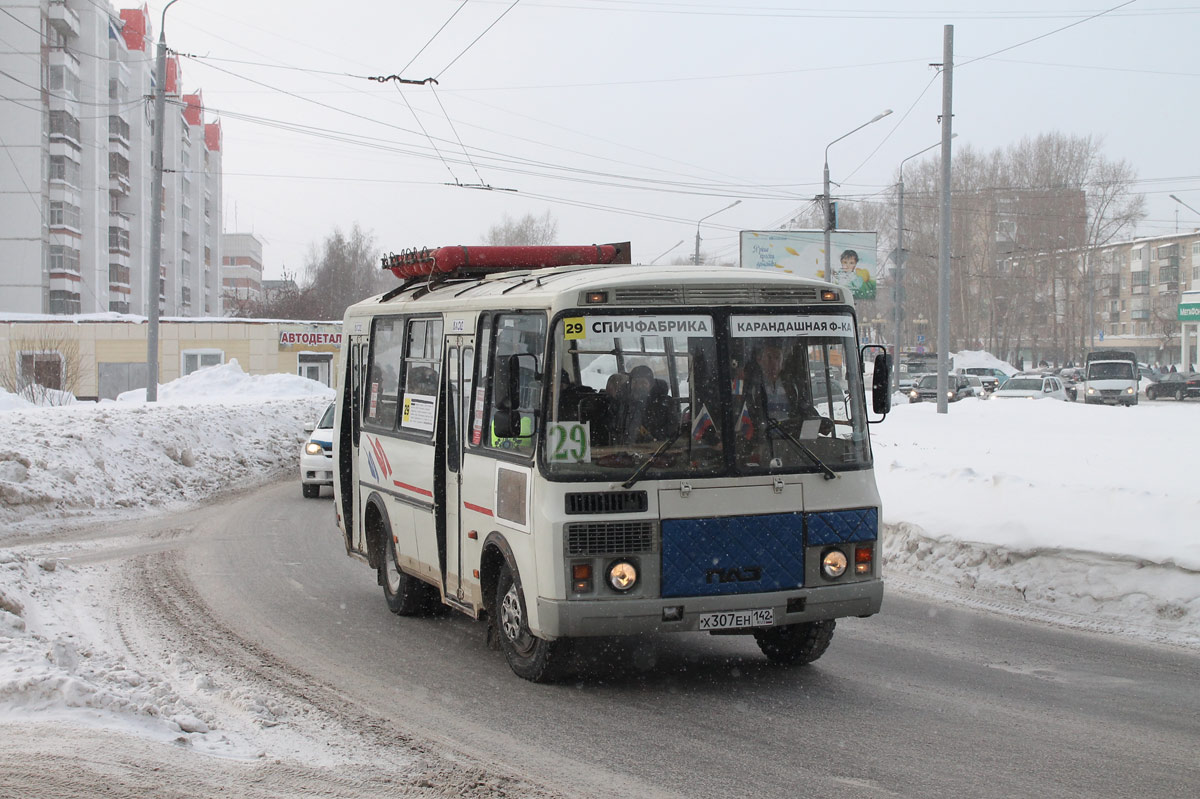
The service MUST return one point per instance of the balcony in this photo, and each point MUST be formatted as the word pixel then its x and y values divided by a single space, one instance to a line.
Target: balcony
pixel 1139 316
pixel 118 276
pixel 118 135
pixel 63 19
pixel 1142 289
pixel 1114 316
pixel 1171 287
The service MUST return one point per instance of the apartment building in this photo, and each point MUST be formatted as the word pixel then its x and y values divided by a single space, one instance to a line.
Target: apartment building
pixel 76 82
pixel 241 273
pixel 1139 285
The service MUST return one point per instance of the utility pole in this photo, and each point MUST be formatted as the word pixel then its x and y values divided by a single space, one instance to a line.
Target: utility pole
pixel 156 201
pixel 900 258
pixel 944 250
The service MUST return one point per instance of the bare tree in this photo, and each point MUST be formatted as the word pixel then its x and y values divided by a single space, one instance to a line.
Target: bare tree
pixel 42 366
pixel 528 230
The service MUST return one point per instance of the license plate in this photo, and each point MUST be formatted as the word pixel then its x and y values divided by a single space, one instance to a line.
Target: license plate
pixel 734 619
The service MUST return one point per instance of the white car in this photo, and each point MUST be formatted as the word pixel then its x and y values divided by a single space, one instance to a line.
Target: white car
pixel 1034 386
pixel 316 459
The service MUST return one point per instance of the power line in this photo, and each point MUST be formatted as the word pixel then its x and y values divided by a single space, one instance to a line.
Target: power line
pixel 477 38
pixel 434 36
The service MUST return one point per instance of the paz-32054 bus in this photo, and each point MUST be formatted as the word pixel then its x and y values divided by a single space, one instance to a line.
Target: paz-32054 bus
pixel 567 445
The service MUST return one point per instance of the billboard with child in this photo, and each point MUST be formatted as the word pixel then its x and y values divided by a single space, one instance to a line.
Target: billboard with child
pixel 802 252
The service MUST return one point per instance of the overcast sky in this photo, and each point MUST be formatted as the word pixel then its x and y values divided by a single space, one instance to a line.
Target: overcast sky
pixel 633 119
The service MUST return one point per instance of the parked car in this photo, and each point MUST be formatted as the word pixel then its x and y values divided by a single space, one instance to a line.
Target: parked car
pixel 316 459
pixel 991 377
pixel 925 389
pixel 1175 385
pixel 1032 386
pixel 977 388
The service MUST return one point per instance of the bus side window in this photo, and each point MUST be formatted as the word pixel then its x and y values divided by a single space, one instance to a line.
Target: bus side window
pixel 381 392
pixel 516 372
pixel 422 372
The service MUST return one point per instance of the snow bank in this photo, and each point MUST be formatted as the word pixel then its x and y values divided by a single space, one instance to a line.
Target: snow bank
pixel 216 429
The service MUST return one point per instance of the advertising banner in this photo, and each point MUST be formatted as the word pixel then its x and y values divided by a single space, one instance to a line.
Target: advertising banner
pixel 802 252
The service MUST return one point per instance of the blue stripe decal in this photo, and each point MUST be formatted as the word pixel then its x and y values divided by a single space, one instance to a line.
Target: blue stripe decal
pixel 842 526
pixel 325 444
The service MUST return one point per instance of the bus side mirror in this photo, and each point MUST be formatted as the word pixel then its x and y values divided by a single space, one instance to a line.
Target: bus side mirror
pixel 881 384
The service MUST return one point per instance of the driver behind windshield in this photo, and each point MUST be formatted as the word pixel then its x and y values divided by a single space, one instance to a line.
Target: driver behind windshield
pixel 777 392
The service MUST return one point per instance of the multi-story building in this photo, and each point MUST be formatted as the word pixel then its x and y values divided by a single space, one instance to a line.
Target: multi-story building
pixel 1137 293
pixel 241 273
pixel 76 82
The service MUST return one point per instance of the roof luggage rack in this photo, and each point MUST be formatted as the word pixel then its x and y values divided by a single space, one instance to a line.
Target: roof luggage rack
pixel 476 262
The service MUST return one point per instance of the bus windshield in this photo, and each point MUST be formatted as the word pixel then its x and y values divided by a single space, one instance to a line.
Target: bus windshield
pixel 678 395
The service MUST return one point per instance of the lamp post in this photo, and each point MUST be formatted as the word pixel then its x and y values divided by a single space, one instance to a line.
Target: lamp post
pixel 899 282
pixel 828 215
pixel 156 200
pixel 664 252
pixel 1185 205
pixel 696 257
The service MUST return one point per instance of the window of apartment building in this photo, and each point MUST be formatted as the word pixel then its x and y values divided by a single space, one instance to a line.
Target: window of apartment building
pixel 118 239
pixel 1141 277
pixel 64 169
pixel 64 302
pixel 1196 249
pixel 64 80
pixel 192 360
pixel 1135 255
pixel 63 124
pixel 64 259
pixel 64 214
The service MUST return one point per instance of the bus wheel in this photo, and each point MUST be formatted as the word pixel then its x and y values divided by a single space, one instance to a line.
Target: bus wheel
pixel 795 644
pixel 405 594
pixel 310 490
pixel 531 658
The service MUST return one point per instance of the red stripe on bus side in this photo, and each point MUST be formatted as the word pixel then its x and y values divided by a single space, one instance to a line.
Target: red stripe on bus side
pixel 477 508
pixel 414 489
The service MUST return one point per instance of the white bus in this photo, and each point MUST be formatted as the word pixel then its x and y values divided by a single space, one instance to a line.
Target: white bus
pixel 603 449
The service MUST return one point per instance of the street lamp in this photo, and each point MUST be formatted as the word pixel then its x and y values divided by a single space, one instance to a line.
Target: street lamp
pixel 1185 205
pixel 664 252
pixel 156 200
pixel 899 282
pixel 696 257
pixel 828 215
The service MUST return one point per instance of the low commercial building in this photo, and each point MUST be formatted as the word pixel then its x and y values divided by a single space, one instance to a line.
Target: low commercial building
pixel 98 356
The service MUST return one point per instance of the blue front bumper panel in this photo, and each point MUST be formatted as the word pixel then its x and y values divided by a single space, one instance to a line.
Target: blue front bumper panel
pixel 752 554
pixel 732 555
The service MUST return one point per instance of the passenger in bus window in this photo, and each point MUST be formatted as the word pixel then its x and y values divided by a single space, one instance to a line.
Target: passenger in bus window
pixel 652 414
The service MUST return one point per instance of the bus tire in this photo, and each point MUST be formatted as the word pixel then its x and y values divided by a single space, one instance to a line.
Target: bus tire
pixel 531 658
pixel 311 490
pixel 795 644
pixel 405 594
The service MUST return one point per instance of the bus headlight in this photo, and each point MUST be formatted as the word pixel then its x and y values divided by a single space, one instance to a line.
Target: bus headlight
pixel 833 564
pixel 622 575
pixel 313 448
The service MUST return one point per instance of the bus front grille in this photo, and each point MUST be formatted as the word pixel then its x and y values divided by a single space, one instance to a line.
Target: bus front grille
pixel 610 538
pixel 606 502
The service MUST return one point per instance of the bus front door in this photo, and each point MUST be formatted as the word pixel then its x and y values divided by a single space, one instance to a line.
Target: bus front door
pixel 459 364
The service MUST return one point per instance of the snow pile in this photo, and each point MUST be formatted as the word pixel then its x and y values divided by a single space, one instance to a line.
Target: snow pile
pixel 981 358
pixel 11 402
pixel 228 383
pixel 213 430
pixel 1082 513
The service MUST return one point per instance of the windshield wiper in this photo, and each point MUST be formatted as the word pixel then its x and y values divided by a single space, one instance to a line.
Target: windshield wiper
pixel 637 473
pixel 830 474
